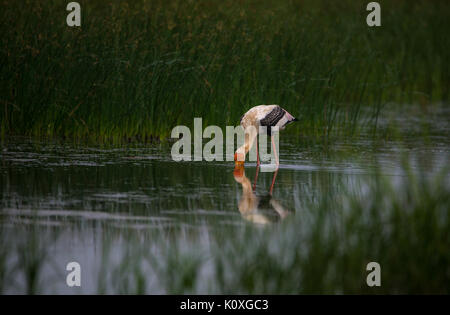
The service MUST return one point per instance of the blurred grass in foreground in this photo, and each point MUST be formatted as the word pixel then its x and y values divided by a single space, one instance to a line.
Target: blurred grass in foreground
pixel 135 69
pixel 323 248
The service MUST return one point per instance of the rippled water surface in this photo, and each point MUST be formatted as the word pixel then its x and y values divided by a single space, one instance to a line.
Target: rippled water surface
pixel 84 192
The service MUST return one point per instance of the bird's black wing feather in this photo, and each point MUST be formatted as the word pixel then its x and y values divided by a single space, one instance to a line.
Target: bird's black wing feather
pixel 272 118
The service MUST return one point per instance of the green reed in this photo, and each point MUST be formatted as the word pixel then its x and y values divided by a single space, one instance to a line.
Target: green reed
pixel 135 69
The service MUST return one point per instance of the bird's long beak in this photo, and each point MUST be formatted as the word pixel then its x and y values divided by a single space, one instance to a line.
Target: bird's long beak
pixel 238 171
pixel 238 166
pixel 239 160
pixel 239 163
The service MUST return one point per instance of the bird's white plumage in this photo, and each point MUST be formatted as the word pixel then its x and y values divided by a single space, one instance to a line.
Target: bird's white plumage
pixel 254 115
pixel 270 115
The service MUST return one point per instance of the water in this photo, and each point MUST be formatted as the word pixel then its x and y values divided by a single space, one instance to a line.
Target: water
pixel 74 198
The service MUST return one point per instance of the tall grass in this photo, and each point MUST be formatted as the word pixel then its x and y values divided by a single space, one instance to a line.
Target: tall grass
pixel 135 69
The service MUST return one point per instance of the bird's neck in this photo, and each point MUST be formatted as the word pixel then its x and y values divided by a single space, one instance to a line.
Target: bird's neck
pixel 248 143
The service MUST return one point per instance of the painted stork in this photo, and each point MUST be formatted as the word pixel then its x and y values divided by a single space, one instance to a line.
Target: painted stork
pixel 262 115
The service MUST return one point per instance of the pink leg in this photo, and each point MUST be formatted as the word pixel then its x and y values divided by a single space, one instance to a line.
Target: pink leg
pixel 275 152
pixel 273 182
pixel 257 152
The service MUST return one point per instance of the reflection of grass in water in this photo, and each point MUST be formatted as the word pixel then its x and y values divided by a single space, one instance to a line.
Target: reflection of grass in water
pixel 22 260
pixel 322 249
pixel 137 68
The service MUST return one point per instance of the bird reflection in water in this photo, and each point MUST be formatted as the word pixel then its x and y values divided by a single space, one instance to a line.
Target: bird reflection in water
pixel 260 210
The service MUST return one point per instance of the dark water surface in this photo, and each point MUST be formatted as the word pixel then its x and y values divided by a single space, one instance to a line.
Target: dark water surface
pixel 73 197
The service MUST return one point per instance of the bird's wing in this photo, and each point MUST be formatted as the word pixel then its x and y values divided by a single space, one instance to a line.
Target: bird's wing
pixel 273 117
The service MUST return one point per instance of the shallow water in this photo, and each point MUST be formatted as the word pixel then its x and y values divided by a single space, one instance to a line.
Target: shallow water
pixel 74 197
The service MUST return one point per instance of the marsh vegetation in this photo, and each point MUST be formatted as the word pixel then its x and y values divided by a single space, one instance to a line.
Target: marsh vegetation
pixel 136 69
pixel 86 174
